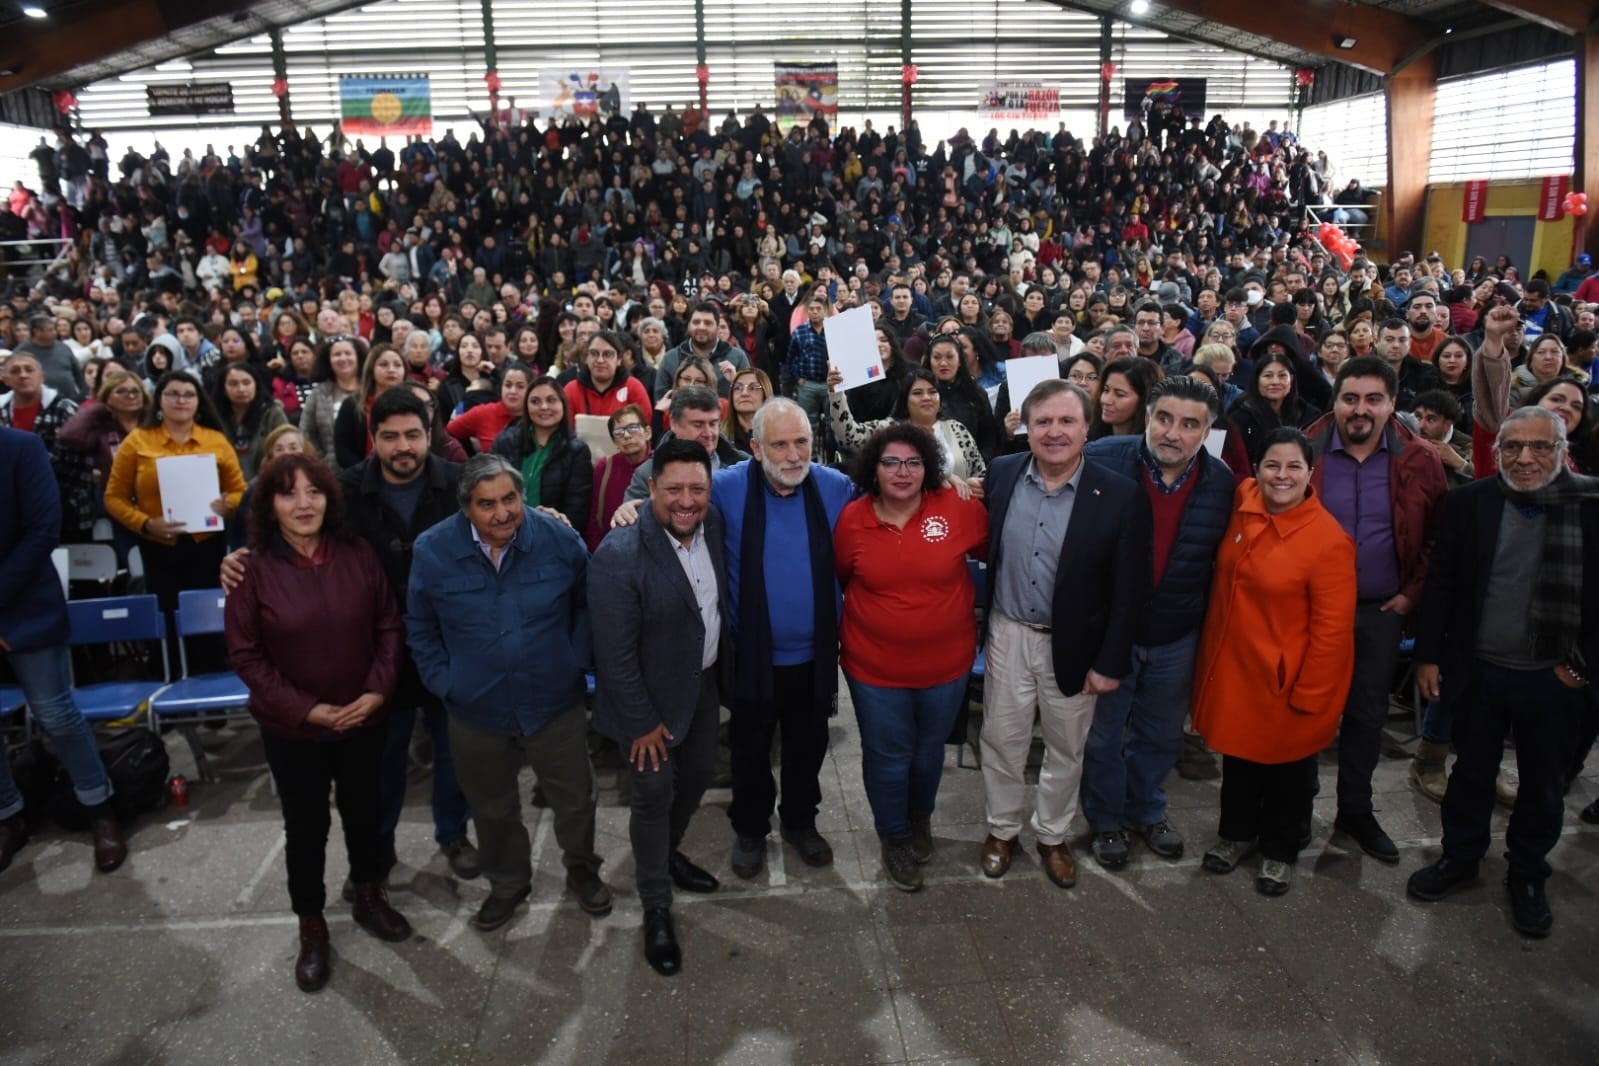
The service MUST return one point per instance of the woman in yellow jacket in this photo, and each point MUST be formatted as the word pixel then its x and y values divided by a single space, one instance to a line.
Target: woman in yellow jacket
pixel 1276 658
pixel 181 422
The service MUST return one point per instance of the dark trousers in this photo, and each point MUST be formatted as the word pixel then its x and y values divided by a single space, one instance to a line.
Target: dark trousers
pixel 1377 636
pixel 178 567
pixel 664 800
pixel 305 770
pixel 450 809
pixel 488 764
pixel 1266 801
pixel 1544 717
pixel 804 726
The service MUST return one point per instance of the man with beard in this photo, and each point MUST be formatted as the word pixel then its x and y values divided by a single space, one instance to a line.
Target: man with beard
pixel 1509 636
pixel 1412 376
pixel 784 601
pixel 1383 483
pixel 1137 731
pixel 1421 314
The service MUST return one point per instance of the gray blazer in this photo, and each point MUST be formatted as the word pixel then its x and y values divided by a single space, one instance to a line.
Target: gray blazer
pixel 648 631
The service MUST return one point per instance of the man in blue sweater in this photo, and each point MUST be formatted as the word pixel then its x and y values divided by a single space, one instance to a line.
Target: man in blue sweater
pixel 1138 729
pixel 780 510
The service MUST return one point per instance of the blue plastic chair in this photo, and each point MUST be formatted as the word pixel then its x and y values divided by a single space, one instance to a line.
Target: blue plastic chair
pixel 116 620
pixel 11 700
pixel 195 699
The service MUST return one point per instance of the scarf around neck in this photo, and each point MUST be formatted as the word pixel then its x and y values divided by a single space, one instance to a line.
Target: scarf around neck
pixel 753 679
pixel 1556 612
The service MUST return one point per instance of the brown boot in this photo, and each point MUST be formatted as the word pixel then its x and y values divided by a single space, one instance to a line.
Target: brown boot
pixel 312 967
pixel 373 913
pixel 110 849
pixel 1427 770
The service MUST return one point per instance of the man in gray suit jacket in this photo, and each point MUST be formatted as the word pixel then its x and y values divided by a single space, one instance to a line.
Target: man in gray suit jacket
pixel 658 596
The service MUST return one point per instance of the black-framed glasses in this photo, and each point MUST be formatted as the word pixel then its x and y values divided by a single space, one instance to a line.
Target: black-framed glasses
pixel 892 464
pixel 1512 449
pixel 632 430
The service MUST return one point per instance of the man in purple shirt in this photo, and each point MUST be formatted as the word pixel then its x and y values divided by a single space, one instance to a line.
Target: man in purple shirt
pixel 1383 483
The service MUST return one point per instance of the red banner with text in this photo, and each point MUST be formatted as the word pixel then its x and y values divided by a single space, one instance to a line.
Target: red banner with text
pixel 1554 190
pixel 1475 207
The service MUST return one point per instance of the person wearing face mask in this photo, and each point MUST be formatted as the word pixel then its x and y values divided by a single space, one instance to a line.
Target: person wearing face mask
pixel 1508 637
pixel 1275 660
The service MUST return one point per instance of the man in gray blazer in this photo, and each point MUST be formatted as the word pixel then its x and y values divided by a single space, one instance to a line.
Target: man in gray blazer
pixel 658 597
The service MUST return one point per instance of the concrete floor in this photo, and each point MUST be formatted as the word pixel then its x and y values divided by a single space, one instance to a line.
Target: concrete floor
pixel 185 955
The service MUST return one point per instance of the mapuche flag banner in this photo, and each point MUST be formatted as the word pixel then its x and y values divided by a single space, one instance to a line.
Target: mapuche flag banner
pixel 400 104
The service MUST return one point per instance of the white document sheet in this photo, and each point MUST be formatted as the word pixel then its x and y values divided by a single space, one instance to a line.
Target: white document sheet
pixel 852 348
pixel 1023 374
pixel 188 486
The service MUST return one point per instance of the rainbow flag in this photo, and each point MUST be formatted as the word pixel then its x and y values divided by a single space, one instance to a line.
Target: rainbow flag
pixel 381 104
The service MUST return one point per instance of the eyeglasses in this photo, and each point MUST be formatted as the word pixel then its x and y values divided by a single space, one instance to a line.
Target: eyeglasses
pixel 750 386
pixel 135 394
pixel 632 430
pixel 604 357
pixel 892 465
pixel 1082 379
pixel 1542 449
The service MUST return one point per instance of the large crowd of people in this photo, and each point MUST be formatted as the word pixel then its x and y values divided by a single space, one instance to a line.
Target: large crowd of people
pixel 538 434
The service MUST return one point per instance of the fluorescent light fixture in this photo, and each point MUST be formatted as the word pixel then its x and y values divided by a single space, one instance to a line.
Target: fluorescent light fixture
pixel 1139 7
pixel 1345 42
pixel 34 11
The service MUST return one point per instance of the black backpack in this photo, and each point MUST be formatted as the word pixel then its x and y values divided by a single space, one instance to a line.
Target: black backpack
pixel 136 761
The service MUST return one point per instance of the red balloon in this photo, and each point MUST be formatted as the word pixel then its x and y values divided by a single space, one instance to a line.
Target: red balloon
pixel 1578 210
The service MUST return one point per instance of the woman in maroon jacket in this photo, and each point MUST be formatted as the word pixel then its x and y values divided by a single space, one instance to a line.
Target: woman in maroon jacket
pixel 313 630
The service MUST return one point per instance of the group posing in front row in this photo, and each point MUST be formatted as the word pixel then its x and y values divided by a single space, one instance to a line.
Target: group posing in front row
pixel 1131 584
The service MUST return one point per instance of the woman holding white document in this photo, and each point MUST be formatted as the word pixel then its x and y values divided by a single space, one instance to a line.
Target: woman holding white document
pixel 180 541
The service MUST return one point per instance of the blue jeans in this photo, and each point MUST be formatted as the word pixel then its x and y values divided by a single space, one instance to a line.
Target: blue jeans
pixel 1437 721
pixel 46 679
pixel 450 809
pixel 1136 738
pixel 902 748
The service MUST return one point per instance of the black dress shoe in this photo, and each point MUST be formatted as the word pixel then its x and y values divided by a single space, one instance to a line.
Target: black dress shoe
pixel 1365 831
pixel 110 849
pixel 688 877
pixel 660 942
pixel 497 910
pixel 1589 814
pixel 1444 877
pixel 311 968
pixel 13 835
pixel 1529 908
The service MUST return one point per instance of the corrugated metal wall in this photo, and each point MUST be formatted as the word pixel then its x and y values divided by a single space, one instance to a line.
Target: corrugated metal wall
pixel 957 44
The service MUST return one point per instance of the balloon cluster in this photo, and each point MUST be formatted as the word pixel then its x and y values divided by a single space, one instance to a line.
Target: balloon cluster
pixel 1342 246
pixel 1575 204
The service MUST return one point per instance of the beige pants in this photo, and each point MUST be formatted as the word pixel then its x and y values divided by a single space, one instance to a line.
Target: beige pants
pixel 1021 679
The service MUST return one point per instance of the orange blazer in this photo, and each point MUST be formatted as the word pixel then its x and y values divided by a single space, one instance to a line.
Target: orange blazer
pixel 1278 649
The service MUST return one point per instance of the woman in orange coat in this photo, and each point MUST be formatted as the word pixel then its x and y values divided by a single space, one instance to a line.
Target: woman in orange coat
pixel 1276 658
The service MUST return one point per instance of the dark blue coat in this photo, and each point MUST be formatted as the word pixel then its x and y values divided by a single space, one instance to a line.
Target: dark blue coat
pixel 1102 578
pixel 1178 605
pixel 33 609
pixel 504 650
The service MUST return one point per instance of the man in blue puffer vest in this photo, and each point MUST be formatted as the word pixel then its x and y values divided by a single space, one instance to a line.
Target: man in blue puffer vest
pixel 1138 729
